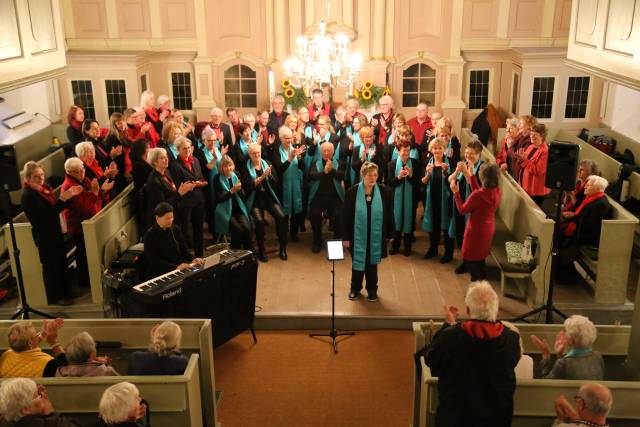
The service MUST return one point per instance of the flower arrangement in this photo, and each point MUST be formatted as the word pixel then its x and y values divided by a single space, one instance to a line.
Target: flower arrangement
pixel 368 94
pixel 295 96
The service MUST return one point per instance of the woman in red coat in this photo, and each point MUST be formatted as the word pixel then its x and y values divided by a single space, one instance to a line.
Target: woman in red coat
pixel 481 205
pixel 533 164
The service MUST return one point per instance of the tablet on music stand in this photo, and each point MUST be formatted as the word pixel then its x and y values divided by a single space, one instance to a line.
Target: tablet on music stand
pixel 335 251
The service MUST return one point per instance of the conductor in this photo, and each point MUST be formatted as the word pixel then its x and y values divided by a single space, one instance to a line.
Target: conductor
pixel 368 222
pixel 165 248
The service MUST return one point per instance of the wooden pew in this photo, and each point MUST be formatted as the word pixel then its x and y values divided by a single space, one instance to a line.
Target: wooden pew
pixel 533 400
pixel 134 335
pixel 518 216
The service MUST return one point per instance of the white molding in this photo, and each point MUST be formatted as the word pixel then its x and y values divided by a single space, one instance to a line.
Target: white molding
pixel 154 19
pixel 113 31
pixel 125 45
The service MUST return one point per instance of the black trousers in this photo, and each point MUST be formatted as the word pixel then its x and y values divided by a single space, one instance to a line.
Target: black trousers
pixel 370 273
pixel 281 223
pixel 477 269
pixel 82 268
pixel 193 215
pixel 240 232
pixel 54 269
pixel 435 240
pixel 331 204
pixel 408 240
pixel 295 221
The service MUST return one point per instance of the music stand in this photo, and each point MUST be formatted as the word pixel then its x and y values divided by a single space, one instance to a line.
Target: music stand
pixel 335 252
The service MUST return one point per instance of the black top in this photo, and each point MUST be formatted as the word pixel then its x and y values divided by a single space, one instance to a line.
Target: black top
pixel 378 159
pixel 74 136
pixel 327 187
pixel 112 140
pixel 164 250
pixel 341 140
pixel 181 173
pixel 52 420
pixel 263 195
pixel 43 216
pixel 239 158
pixel 482 128
pixel 349 212
pixel 149 363
pixel 476 378
pixel 275 122
pixel 395 183
pixel 140 171
pixel 159 190
pixel 221 195
pixel 52 365
pixel 590 221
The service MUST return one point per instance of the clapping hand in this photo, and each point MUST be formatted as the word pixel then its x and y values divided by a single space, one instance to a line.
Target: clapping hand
pixel 454 187
pixel 267 172
pixel 541 345
pixel 224 150
pixel 520 154
pixel 115 151
pixel 444 166
pixel 429 169
pixel 107 185
pixel 236 187
pixel 112 170
pixel 564 410
pixel 451 314
pixel 272 139
pixel 95 186
pixel 568 214
pixel 561 344
pixel 71 192
pixel 328 166
pixel 503 167
pixel 212 163
pixel 374 122
pixel 145 127
pixel 186 187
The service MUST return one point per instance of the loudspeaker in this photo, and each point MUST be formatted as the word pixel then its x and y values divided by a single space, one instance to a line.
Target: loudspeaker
pixel 9 172
pixel 562 166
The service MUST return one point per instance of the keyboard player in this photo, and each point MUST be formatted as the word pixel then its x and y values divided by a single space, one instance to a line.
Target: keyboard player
pixel 165 248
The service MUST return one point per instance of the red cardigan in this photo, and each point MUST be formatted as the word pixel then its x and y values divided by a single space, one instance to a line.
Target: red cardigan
pixel 534 170
pixel 152 137
pixel 81 207
pixel 481 205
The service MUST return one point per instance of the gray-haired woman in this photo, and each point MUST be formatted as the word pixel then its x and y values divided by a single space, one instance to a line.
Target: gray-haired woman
pixel 82 359
pixel 121 405
pixel 163 356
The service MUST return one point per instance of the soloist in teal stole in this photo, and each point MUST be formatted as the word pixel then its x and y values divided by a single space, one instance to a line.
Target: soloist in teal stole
pixel 254 135
pixel 223 210
pixel 244 147
pixel 254 176
pixel 445 214
pixel 316 183
pixel 208 155
pixel 403 202
pixel 291 184
pixel 348 173
pixel 356 140
pixel 360 229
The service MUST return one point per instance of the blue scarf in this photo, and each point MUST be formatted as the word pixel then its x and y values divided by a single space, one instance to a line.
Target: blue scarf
pixel 403 202
pixel 243 147
pixel 316 183
pixel 223 210
pixel 173 150
pixel 360 229
pixel 577 352
pixel 445 211
pixel 356 140
pixel 254 176
pixel 291 184
pixel 254 136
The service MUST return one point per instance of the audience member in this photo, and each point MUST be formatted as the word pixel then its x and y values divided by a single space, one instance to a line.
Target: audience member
pixel 524 368
pixel 25 358
pixel 44 211
pixel 170 132
pixel 522 142
pixel 23 403
pixel 163 356
pixel 474 361
pixel 82 359
pixel 421 125
pixel 119 149
pixel 506 157
pixel 120 406
pixel 576 359
pixel 87 153
pixel 532 162
pixel 573 199
pixel 593 402
pixel 75 118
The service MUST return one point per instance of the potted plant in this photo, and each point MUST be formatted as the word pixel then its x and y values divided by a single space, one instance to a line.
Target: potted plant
pixel 294 97
pixel 368 94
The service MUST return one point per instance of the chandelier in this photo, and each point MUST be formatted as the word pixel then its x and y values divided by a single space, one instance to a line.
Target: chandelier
pixel 323 59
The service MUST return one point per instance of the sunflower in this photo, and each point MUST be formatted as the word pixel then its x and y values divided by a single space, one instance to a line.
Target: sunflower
pixel 289 92
pixel 286 83
pixel 386 92
pixel 367 84
pixel 366 94
pixel 356 93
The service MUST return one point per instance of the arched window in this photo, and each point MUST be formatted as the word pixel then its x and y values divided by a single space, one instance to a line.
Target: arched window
pixel 240 87
pixel 418 85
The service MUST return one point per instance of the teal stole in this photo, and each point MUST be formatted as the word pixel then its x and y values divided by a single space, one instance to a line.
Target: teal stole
pixel 291 184
pixel 348 175
pixel 445 214
pixel 356 140
pixel 403 202
pixel 577 352
pixel 360 229
pixel 368 158
pixel 254 176
pixel 208 155
pixel 318 153
pixel 308 160
pixel 173 149
pixel 224 210
pixel 244 147
pixel 316 183
pixel 413 153
pixel 254 136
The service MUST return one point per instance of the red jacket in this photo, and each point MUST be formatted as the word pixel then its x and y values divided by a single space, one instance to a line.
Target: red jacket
pixel 534 170
pixel 152 137
pixel 420 129
pixel 481 205
pixel 83 206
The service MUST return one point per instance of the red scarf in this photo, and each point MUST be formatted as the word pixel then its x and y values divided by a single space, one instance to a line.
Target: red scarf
pixel 188 162
pixel 382 140
pixel 482 330
pixel 169 181
pixel 152 113
pixel 44 190
pixel 76 125
pixel 571 227
pixel 96 169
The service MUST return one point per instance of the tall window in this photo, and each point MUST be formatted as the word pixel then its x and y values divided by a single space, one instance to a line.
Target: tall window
pixel 515 90
pixel 83 95
pixel 418 85
pixel 478 89
pixel 181 90
pixel 542 99
pixel 240 87
pixel 116 96
pixel 143 82
pixel 577 97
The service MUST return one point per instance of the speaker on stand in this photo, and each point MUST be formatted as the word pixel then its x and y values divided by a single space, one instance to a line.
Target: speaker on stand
pixel 562 169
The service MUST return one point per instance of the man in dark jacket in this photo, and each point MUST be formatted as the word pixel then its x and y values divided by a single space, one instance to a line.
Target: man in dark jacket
pixel 277 116
pixel 474 362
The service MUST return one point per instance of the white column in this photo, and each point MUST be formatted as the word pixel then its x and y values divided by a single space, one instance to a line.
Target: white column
pixel 280 29
pixel 112 19
pixel 503 19
pixel 377 29
pixel 67 18
pixel 548 13
pixel 154 19
pixel 270 31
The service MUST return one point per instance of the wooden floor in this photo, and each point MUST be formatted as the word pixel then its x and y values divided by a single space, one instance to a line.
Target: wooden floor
pixel 407 286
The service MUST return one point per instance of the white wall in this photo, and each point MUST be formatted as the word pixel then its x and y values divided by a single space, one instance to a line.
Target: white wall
pixel 622 110
pixel 39 97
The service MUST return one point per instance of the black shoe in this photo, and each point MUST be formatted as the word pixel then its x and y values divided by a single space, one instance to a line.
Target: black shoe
pixel 283 254
pixel 445 259
pixel 461 269
pixel 393 250
pixel 407 252
pixel 295 238
pixel 263 257
pixel 66 301
pixel 372 296
pixel 431 253
pixel 354 295
pixel 316 249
